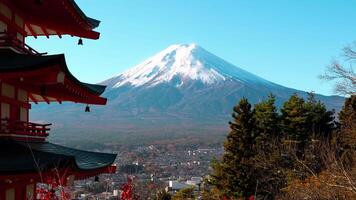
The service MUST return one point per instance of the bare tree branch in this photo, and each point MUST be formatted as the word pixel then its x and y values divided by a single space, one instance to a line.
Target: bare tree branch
pixel 349 52
pixel 345 77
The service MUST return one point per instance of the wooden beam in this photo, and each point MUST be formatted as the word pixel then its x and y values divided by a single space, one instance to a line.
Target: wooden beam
pixel 32 98
pixel 11 24
pixel 14 102
pixel 59 35
pixel 81 29
pixel 44 31
pixel 46 99
pixel 68 91
pixel 31 30
pixel 45 70
pixel 58 100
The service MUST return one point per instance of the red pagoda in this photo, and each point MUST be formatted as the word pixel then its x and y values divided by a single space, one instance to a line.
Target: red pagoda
pixel 26 76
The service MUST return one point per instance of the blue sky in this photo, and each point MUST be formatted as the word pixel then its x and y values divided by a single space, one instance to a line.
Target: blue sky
pixel 287 42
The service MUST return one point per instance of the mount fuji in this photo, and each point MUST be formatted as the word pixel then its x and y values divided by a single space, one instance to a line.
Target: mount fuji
pixel 188 80
pixel 183 89
pixel 181 64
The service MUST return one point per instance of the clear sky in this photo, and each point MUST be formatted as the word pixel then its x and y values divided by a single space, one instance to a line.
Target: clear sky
pixel 284 41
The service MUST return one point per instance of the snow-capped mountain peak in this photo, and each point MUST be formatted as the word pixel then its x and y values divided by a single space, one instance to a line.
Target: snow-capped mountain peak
pixel 179 64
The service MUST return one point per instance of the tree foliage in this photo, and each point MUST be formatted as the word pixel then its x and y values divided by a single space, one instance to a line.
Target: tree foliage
pixel 233 175
pixel 320 121
pixel 347 131
pixel 301 152
pixel 259 158
pixel 185 194
pixel 267 123
pixel 163 195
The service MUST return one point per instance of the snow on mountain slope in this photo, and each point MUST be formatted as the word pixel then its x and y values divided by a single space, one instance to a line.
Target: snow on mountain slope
pixel 182 63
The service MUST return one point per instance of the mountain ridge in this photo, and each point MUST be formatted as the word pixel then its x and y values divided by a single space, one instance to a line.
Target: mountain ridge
pixel 189 61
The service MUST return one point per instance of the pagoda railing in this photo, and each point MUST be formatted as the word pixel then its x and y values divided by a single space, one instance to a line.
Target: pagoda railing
pixel 21 128
pixel 8 40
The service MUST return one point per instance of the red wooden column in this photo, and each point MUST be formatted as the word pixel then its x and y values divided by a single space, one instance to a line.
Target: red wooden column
pixel 20 192
pixel 2 193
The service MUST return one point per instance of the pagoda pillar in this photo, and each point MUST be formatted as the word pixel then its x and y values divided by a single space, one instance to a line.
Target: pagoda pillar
pixel 2 193
pixel 20 192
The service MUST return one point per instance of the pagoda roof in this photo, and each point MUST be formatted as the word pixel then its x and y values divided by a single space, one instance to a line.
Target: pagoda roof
pixel 30 157
pixel 55 17
pixel 50 72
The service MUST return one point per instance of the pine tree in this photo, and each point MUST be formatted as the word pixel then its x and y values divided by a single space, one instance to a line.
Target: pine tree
pixel 268 158
pixel 347 119
pixel 320 121
pixel 234 176
pixel 347 130
pixel 294 123
pixel 267 123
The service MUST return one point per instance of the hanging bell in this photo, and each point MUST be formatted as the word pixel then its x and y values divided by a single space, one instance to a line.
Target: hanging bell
pixel 80 41
pixel 96 179
pixel 87 108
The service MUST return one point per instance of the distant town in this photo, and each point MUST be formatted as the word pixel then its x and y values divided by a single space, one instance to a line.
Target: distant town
pixel 151 167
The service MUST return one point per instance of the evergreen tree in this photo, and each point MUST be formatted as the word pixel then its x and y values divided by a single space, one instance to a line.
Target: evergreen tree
pixel 268 158
pixel 347 120
pixel 347 130
pixel 267 123
pixel 294 122
pixel 234 176
pixel 256 156
pixel 320 121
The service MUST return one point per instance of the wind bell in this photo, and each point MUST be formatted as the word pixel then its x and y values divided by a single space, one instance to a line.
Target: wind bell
pixel 80 41
pixel 87 108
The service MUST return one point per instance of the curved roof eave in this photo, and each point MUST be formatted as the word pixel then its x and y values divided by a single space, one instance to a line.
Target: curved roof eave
pixel 84 160
pixel 49 156
pixel 95 88
pixel 93 22
pixel 18 62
